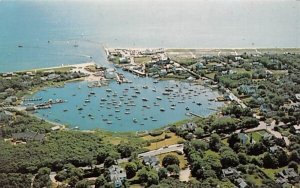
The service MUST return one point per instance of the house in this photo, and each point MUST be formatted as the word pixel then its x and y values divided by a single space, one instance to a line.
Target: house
pixel 151 161
pixel 11 99
pixel 117 175
pixel 190 79
pixel 289 175
pixel 264 108
pixel 241 183
pixel 281 180
pixel 8 74
pixel 110 73
pixel 178 70
pixel 200 66
pixel 238 58
pixel 296 129
pixel 228 172
pixel 9 90
pixel 256 64
pixel 190 126
pixel 273 149
pixel 297 96
pixel 219 67
pixel 55 128
pixel 5 116
pixel 243 138
pixel 123 60
pixel 52 76
pixel 30 73
pixel 163 72
pixel 228 97
pixel 267 136
pixel 28 136
pixel 247 89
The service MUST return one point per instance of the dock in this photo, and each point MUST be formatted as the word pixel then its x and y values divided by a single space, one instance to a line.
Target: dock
pixel 136 72
pixel 192 113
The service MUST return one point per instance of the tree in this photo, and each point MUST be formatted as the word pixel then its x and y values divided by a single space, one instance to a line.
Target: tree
pixel 295 156
pixel 282 157
pixel 131 169
pixel 125 149
pixel 215 142
pixel 199 132
pixel 152 178
pixel 209 173
pixel 243 159
pixel 42 178
pixel 162 173
pixel 170 160
pixel 293 165
pixel 143 175
pixel 229 158
pixel 233 139
pixel 100 182
pixel 224 124
pixel 249 122
pixel 173 169
pixel 109 161
pixel 256 148
pixel 199 145
pixel 270 161
pixel 73 181
pixel 82 184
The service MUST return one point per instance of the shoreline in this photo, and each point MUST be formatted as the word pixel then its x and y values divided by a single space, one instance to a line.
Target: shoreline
pixel 144 48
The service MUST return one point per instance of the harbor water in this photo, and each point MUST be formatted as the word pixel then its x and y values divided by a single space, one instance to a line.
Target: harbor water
pixel 142 105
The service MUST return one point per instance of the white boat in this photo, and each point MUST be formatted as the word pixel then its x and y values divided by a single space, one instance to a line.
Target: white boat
pixel 158 98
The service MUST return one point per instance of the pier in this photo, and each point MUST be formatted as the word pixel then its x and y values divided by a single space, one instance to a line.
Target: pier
pixel 192 113
pixel 136 72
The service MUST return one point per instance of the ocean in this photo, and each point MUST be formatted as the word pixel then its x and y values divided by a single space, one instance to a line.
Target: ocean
pixel 93 25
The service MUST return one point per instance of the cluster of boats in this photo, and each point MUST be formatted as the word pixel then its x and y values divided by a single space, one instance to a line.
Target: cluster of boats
pixel 116 104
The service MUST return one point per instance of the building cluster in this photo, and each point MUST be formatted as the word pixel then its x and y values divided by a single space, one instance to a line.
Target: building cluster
pixel 235 176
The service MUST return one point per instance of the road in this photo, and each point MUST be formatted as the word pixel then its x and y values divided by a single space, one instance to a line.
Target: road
pixel 184 175
pixel 235 98
pixel 175 147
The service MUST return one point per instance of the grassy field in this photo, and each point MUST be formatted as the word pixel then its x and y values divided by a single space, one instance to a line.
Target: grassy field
pixel 142 60
pixel 271 173
pixel 211 75
pixel 224 141
pixel 117 138
pixel 187 61
pixel 166 142
pixel 254 178
pixel 257 136
pixel 182 160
